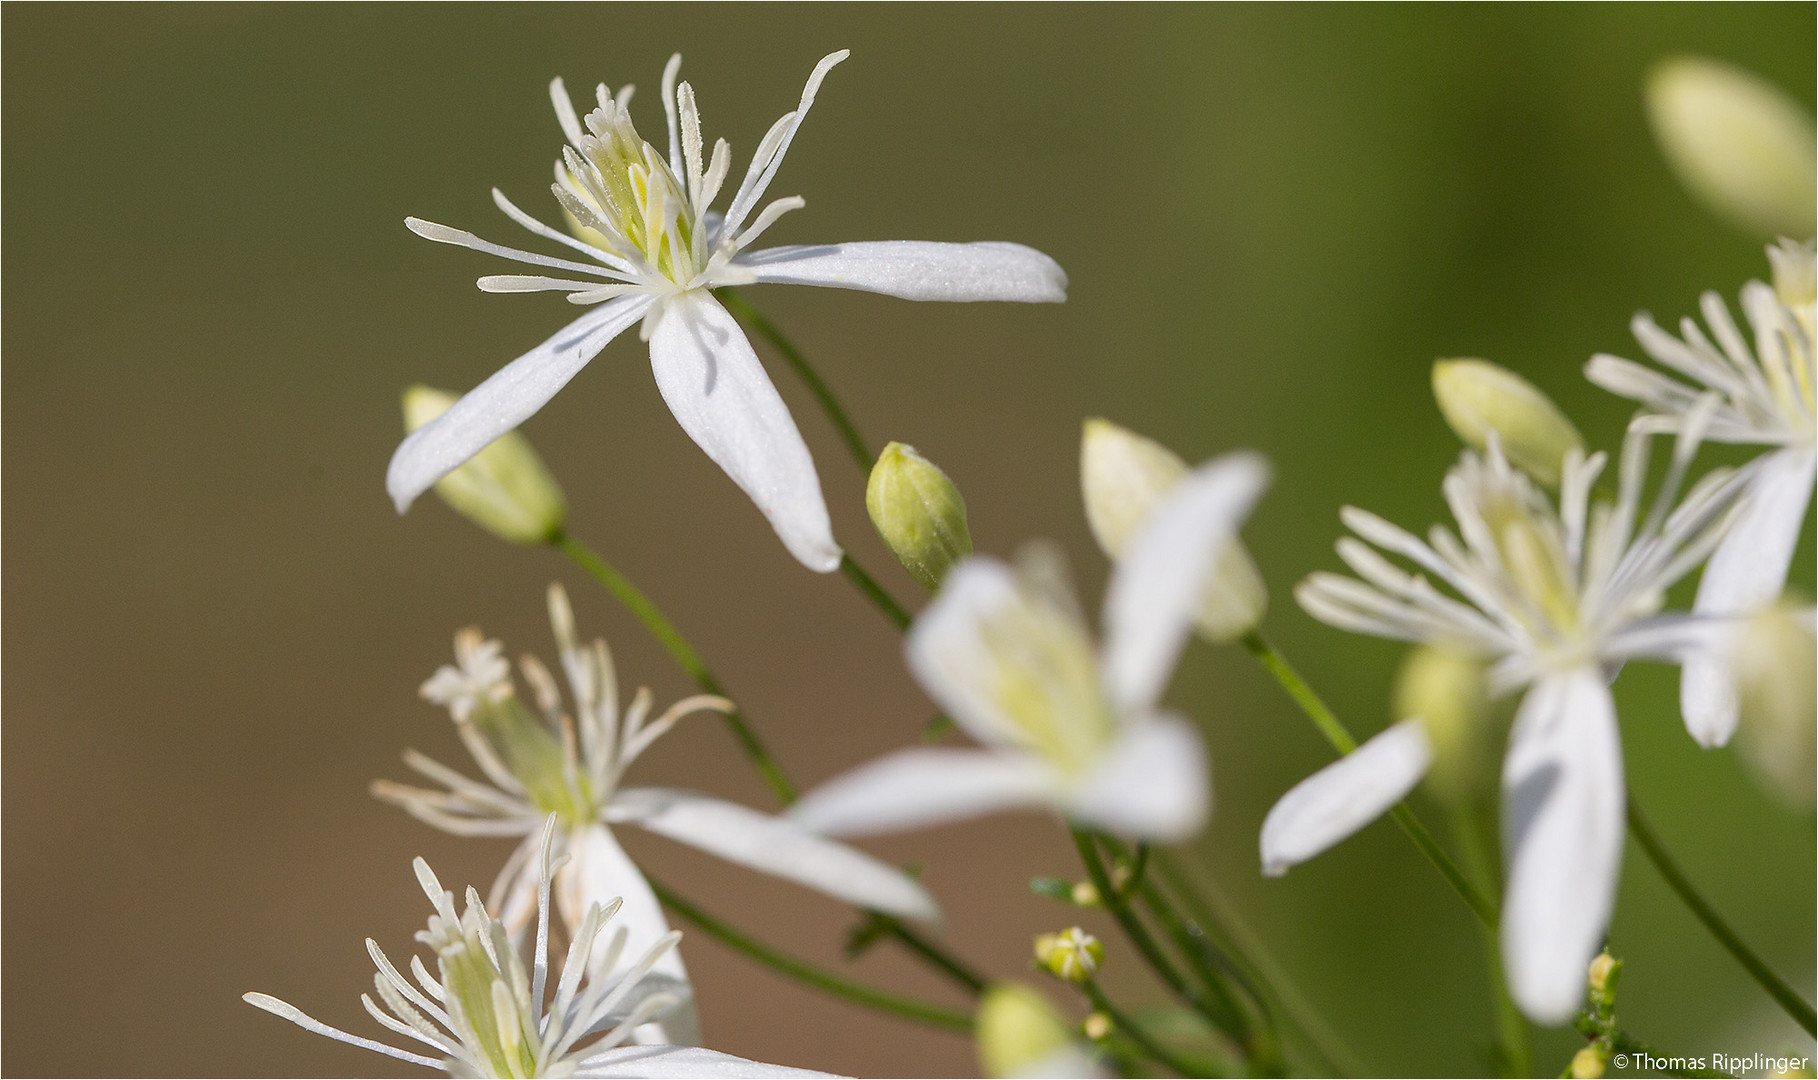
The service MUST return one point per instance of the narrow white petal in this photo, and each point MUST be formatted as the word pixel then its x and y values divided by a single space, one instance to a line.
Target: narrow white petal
pixel 775 846
pixel 947 652
pixel 915 788
pixel 1155 588
pixel 680 1061
pixel 1344 796
pixel 1153 784
pixel 726 403
pixel 1562 834
pixel 598 871
pixel 508 398
pixel 917 269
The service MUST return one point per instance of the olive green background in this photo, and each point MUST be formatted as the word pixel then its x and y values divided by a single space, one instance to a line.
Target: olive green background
pixel 1274 219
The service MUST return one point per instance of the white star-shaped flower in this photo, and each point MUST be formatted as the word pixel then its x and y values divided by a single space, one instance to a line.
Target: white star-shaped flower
pixel 1065 723
pixel 1764 398
pixel 573 765
pixel 1556 599
pixel 659 252
pixel 482 1014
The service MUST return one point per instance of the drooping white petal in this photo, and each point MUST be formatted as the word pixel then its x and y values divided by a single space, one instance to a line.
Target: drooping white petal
pixel 914 788
pixel 1747 570
pixel 1155 588
pixel 681 1061
pixel 1153 784
pixel 723 399
pixel 917 269
pixel 506 399
pixel 774 845
pixel 1344 796
pixel 598 871
pixel 1563 802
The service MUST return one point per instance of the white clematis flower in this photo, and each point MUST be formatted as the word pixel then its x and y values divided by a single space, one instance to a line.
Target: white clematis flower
pixel 482 1014
pixel 657 251
pixel 572 765
pixel 1065 724
pixel 1765 398
pixel 1555 599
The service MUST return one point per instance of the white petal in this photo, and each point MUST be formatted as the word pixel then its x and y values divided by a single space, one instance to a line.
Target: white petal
pixel 1747 570
pixel 914 788
pixel 917 269
pixel 721 396
pixel 1562 831
pixel 1344 796
pixel 776 846
pixel 1156 586
pixel 680 1061
pixel 600 870
pixel 508 398
pixel 1153 784
pixel 948 655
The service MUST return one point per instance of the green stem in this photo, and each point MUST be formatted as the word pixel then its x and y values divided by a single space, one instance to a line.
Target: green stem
pixel 1145 944
pixel 1212 909
pixel 804 972
pixel 875 593
pixel 1511 1027
pixel 1135 1033
pixel 861 451
pixel 972 981
pixel 1328 724
pixel 1784 995
pixel 684 654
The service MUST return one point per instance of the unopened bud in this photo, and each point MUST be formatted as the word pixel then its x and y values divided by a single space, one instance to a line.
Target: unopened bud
pixel 1587 1064
pixel 504 489
pixel 1019 1032
pixel 1448 692
pixel 1072 954
pixel 1085 894
pixel 919 513
pixel 1096 1026
pixel 1776 673
pixel 1123 478
pixel 1478 397
pixel 1741 145
pixel 1605 974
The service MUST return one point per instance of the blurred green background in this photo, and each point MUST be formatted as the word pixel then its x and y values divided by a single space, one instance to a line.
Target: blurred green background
pixel 1274 218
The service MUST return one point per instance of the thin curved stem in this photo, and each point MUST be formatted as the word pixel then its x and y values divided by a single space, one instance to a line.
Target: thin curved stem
pixel 809 974
pixel 1229 1021
pixel 875 593
pixel 1511 1026
pixel 1776 987
pixel 682 652
pixel 1335 732
pixel 1135 1033
pixel 823 394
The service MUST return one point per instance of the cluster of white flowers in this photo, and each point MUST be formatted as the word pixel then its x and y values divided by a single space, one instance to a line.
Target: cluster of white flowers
pixel 1546 585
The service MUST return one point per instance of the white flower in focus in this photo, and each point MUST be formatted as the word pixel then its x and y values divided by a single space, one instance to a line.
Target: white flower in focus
pixel 1555 599
pixel 1065 723
pixel 572 765
pixel 658 251
pixel 1764 398
pixel 482 1014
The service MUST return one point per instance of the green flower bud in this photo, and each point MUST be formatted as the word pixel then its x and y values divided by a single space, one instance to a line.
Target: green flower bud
pixel 1019 1032
pixel 504 489
pixel 1123 476
pixel 1776 673
pixel 1072 954
pixel 1447 691
pixel 1739 144
pixel 1605 973
pixel 1478 397
pixel 919 514
pixel 1096 1026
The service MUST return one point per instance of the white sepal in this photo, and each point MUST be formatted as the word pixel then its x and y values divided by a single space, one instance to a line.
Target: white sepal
pixel 1344 796
pixel 681 1061
pixel 1153 783
pixel 924 786
pixel 916 269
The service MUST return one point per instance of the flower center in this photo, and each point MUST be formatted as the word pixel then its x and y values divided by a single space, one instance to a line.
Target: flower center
pixel 1047 684
pixel 645 208
pixel 479 1000
pixel 552 781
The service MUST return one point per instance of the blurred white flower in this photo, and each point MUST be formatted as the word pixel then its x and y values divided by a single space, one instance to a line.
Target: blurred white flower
pixel 573 765
pixel 1764 398
pixel 482 1014
pixel 657 252
pixel 1067 724
pixel 1556 600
